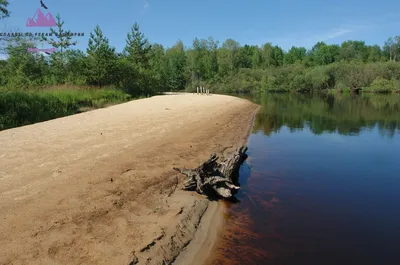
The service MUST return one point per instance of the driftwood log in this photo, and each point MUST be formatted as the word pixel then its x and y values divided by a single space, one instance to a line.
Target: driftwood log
pixel 216 178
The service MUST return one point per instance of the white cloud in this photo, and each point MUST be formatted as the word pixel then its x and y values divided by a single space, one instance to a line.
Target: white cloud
pixel 146 4
pixel 334 33
pixel 304 38
pixel 308 38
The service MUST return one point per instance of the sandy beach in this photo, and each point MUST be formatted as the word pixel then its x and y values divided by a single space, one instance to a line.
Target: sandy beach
pixel 99 188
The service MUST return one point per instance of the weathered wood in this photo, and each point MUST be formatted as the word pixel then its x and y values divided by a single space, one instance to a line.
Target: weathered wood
pixel 215 178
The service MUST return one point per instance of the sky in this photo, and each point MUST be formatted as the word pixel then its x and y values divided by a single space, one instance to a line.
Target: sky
pixel 285 23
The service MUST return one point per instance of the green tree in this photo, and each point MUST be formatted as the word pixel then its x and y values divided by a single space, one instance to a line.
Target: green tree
pixel 353 50
pixel 137 64
pixel 63 38
pixel 176 64
pixel 391 48
pixel 295 54
pixel 278 55
pixel 228 57
pixel 158 66
pixel 211 60
pixel 199 59
pixel 257 58
pixel 101 59
pixel 137 47
pixel 323 54
pixel 62 41
pixel 268 55
pixel 272 55
pixel 246 55
pixel 75 67
pixel 374 53
pixel 24 68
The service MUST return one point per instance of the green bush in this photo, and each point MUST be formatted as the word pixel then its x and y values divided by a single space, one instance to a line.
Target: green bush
pixel 382 85
pixel 340 76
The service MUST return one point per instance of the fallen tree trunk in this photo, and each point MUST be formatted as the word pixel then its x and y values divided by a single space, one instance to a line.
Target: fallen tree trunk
pixel 216 178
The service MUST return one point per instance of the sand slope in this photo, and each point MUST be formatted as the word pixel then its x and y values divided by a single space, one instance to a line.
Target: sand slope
pixel 98 187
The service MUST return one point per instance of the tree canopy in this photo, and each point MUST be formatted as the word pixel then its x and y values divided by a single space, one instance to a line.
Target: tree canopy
pixel 143 68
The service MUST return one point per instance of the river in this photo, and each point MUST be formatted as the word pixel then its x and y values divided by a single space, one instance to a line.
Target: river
pixel 321 184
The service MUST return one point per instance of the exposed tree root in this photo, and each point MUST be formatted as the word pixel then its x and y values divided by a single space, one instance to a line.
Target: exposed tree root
pixel 216 178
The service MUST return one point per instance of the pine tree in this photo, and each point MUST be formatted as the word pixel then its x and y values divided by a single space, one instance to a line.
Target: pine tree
pixel 101 59
pixel 63 38
pixel 136 63
pixel 137 47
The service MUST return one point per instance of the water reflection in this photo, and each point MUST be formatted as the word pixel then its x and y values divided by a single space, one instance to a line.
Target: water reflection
pixel 344 114
pixel 322 184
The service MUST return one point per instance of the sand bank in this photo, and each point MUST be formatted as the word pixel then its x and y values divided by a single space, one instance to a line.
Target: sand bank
pixel 98 187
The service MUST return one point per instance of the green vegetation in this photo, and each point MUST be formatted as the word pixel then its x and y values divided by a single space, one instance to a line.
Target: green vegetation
pixel 19 108
pixel 145 69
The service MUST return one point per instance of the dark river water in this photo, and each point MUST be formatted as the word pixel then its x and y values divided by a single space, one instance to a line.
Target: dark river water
pixel 321 184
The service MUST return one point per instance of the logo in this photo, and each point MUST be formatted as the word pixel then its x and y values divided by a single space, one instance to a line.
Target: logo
pixel 42 50
pixel 45 20
pixel 41 20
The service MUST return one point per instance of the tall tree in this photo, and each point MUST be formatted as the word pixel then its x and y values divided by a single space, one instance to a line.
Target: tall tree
pixel 76 70
pixel 176 59
pixel 246 56
pixel 63 38
pixel 228 57
pixel 257 58
pixel 137 54
pixel 137 47
pixel 374 53
pixel 278 56
pixel 158 66
pixel 295 54
pixel 200 48
pixel 101 59
pixel 211 62
pixel 392 48
pixel 62 41
pixel 353 50
pixel 272 55
pixel 323 54
pixel 23 67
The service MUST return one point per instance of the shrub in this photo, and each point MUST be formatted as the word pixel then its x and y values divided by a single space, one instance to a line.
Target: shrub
pixel 382 85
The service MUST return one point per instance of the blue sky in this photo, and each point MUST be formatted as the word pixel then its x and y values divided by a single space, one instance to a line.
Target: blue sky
pixel 284 23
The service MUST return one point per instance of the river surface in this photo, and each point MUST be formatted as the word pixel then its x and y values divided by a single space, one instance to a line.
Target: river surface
pixel 321 184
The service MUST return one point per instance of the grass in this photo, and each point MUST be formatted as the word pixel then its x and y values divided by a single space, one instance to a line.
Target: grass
pixel 18 108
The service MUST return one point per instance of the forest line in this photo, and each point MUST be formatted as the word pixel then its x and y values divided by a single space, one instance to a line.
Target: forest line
pixel 145 68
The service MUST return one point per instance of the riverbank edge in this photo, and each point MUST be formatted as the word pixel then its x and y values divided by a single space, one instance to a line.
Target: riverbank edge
pixel 208 234
pixel 186 211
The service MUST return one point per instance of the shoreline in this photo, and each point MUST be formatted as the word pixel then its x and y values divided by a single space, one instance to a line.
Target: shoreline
pixel 98 187
pixel 208 235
